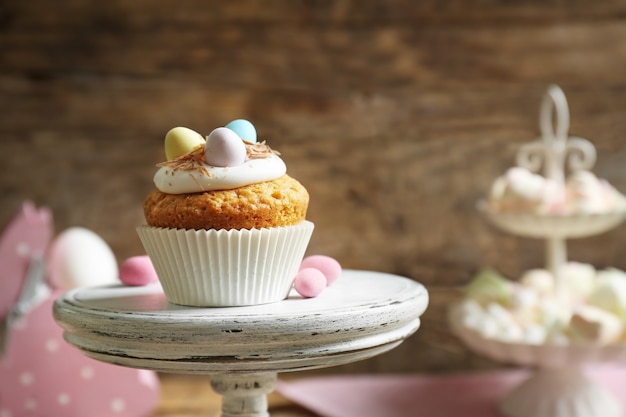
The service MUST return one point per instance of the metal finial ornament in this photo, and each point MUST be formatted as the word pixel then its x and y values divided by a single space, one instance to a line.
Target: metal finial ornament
pixel 555 151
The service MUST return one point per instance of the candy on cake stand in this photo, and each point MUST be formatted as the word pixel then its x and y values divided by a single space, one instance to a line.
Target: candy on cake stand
pixel 559 387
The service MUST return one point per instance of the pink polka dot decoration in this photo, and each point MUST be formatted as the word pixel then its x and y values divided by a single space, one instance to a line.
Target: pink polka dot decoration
pixel 137 271
pixel 42 375
pixel 315 274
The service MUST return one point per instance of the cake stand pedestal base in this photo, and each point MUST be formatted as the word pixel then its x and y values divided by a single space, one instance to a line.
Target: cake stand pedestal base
pixel 560 392
pixel 361 315
pixel 244 395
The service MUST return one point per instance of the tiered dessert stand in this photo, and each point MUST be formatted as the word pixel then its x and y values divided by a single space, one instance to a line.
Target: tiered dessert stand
pixel 558 387
pixel 361 315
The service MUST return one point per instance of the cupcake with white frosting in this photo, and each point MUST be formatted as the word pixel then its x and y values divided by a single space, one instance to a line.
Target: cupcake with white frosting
pixel 226 225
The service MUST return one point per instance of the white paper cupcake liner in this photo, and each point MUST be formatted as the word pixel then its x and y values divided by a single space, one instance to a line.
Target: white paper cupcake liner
pixel 219 268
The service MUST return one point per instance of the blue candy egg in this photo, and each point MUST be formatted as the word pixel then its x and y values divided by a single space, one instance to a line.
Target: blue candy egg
pixel 244 129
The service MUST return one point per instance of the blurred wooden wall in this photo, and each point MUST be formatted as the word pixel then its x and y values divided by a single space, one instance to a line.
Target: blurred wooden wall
pixel 396 115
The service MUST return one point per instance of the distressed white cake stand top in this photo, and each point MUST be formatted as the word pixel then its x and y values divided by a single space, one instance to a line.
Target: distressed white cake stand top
pixel 361 315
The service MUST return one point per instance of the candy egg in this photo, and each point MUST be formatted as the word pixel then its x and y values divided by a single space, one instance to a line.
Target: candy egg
pixel 244 129
pixel 181 140
pixel 224 148
pixel 309 282
pixel 325 264
pixel 79 257
pixel 138 270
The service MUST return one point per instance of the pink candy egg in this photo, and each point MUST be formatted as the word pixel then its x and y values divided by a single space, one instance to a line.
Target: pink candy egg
pixel 327 265
pixel 310 282
pixel 224 148
pixel 138 270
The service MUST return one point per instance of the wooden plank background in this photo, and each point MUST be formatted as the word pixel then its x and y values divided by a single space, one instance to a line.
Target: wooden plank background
pixel 396 115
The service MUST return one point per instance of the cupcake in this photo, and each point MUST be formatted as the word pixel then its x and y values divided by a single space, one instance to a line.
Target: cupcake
pixel 226 225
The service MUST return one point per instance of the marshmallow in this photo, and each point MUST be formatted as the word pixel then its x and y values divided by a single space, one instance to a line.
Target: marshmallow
pixel 592 324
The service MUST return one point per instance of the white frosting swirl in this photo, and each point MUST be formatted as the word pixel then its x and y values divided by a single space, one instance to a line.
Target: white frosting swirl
pixel 210 178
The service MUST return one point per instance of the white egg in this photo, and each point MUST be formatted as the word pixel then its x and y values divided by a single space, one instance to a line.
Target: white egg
pixel 79 257
pixel 224 148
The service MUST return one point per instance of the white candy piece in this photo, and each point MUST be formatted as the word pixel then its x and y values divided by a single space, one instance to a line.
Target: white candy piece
pixel 509 330
pixel 470 312
pixel 579 280
pixel 552 314
pixel 593 325
pixel 610 292
pixel 524 183
pixel 535 334
pixel 524 298
pixel 558 338
pixel 585 193
pixel 79 258
pixel 524 191
pixel 539 280
pixel 224 148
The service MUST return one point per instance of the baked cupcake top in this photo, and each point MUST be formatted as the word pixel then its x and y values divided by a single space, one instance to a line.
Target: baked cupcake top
pixel 229 158
pixel 228 181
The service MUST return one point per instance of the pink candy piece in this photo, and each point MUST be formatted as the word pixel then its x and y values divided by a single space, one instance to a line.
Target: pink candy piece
pixel 138 270
pixel 327 265
pixel 310 282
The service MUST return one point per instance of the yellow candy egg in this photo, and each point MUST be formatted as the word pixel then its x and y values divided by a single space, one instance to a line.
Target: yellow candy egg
pixel 181 140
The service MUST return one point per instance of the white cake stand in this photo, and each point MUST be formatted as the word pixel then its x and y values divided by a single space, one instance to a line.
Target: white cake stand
pixel 559 387
pixel 361 315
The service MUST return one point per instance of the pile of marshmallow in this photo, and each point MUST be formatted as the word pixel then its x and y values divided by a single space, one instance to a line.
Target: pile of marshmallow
pixel 520 190
pixel 590 309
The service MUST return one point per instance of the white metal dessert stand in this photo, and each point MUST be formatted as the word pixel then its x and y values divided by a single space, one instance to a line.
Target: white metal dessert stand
pixel 559 387
pixel 361 315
